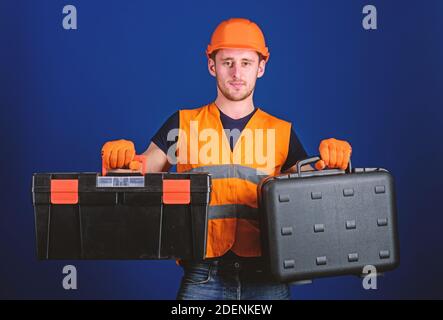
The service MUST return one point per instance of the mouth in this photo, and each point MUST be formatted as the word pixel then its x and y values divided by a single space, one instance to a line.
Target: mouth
pixel 236 84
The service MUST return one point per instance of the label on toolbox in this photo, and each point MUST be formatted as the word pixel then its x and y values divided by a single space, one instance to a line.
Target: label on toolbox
pixel 120 182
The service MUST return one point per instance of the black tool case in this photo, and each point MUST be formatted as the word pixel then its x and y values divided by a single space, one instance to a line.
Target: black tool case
pixel 130 216
pixel 328 223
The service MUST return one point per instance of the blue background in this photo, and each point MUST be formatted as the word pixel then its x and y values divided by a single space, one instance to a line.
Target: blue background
pixel 132 63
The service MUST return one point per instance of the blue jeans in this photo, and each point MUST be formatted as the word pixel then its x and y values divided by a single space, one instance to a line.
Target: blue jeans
pixel 213 281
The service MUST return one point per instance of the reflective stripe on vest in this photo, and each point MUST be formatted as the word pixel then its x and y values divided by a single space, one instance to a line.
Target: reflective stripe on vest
pixel 232 170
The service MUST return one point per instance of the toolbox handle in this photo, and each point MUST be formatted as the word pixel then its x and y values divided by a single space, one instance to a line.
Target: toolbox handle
pixel 314 159
pixel 140 158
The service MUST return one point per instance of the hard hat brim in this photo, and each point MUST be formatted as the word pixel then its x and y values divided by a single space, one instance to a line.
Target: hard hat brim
pixel 264 52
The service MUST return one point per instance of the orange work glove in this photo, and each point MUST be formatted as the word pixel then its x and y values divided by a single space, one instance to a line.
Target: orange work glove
pixel 334 154
pixel 119 154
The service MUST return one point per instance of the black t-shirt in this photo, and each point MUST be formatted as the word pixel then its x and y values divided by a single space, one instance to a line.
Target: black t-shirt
pixel 295 152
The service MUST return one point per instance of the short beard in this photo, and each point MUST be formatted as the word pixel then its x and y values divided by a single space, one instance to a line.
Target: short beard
pixel 228 96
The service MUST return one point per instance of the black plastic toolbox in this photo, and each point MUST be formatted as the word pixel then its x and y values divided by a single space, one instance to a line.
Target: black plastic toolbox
pixel 328 223
pixel 130 216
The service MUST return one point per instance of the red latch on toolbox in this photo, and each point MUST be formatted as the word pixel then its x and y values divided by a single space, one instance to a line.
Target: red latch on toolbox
pixel 64 191
pixel 176 191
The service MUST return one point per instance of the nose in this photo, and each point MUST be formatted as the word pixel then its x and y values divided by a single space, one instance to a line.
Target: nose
pixel 235 72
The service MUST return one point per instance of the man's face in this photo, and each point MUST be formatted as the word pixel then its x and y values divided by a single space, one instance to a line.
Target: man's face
pixel 236 71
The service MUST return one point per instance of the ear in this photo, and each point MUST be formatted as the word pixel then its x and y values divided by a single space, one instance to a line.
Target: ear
pixel 211 67
pixel 261 68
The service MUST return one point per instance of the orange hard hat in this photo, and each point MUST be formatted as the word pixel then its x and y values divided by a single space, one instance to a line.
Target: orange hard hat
pixel 238 33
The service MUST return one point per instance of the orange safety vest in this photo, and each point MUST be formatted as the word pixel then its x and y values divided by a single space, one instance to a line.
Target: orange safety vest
pixel 233 215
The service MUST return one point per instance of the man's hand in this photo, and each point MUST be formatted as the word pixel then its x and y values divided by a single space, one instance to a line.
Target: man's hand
pixel 119 154
pixel 334 154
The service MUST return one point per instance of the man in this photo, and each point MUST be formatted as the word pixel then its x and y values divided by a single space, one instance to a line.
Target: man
pixel 245 143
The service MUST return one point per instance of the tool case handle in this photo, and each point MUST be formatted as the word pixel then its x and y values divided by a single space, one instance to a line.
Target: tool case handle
pixel 139 158
pixel 314 159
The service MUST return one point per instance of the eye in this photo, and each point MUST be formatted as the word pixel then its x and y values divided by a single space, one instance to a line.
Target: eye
pixel 246 63
pixel 227 63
